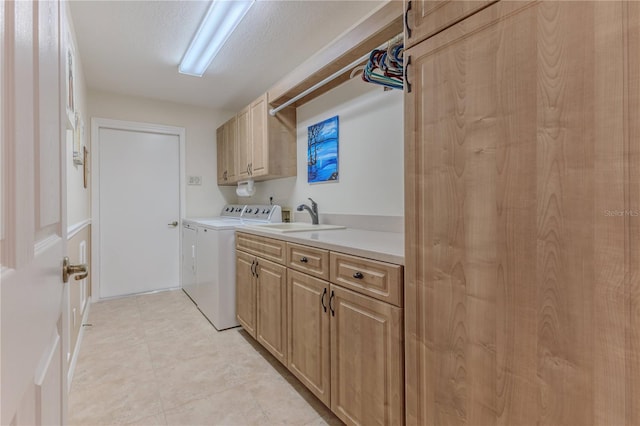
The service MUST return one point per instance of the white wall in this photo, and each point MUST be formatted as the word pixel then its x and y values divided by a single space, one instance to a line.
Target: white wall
pixel 371 155
pixel 78 198
pixel 200 124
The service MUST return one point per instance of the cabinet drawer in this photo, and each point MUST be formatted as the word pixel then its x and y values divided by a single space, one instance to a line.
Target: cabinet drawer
pixel 380 280
pixel 425 18
pixel 310 260
pixel 267 248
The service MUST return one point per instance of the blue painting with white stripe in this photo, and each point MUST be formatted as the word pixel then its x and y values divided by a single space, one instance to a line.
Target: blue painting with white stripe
pixel 322 151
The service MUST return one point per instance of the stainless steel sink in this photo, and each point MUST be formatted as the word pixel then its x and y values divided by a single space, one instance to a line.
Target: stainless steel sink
pixel 294 227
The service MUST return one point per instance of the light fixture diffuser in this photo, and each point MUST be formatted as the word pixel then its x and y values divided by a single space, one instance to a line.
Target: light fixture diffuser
pixel 220 21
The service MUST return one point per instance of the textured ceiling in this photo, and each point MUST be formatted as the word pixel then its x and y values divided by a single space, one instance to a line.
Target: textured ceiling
pixel 134 47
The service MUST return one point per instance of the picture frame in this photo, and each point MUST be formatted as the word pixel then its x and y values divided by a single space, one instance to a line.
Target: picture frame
pixel 323 151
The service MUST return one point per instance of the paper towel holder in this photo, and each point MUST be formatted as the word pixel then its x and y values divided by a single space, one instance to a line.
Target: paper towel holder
pixel 245 188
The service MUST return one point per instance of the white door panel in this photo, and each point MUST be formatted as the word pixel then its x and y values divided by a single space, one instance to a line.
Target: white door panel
pixel 139 197
pixel 33 214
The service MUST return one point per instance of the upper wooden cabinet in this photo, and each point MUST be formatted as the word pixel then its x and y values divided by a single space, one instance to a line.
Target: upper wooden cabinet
pixel 263 147
pixel 243 144
pixel 259 165
pixel 522 182
pixel 226 143
pixel 424 18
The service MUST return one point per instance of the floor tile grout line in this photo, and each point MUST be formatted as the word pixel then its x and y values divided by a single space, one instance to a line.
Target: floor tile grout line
pixel 241 378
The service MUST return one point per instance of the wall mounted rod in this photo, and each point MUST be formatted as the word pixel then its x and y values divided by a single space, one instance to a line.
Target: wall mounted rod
pixel 333 76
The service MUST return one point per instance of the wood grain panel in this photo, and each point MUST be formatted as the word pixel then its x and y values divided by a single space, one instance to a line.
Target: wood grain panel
pixel 609 318
pixel 522 166
pixel 366 360
pixel 246 292
pixel 310 260
pixel 271 308
pixel 631 11
pixel 380 280
pixel 428 17
pixel 268 248
pixel 244 144
pixel 308 328
pixel 220 156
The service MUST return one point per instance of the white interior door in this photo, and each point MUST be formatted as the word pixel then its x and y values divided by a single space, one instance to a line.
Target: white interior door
pixel 33 232
pixel 139 210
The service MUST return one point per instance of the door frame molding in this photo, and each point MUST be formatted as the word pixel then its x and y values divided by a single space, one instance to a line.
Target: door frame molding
pixel 106 123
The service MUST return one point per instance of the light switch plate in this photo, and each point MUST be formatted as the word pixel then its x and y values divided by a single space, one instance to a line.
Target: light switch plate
pixel 194 180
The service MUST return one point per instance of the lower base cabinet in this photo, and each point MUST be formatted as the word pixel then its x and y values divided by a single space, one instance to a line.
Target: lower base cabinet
pixel 367 369
pixel 308 319
pixel 271 307
pixel 347 349
pixel 246 292
pixel 261 302
pixel 344 346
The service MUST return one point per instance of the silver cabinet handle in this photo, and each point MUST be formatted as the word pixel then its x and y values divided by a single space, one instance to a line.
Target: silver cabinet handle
pixel 173 224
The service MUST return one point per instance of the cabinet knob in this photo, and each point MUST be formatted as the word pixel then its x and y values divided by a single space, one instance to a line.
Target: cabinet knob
pixel 358 275
pixel 304 259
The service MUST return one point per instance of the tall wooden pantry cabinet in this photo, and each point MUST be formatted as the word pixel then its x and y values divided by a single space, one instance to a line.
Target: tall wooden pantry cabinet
pixel 522 260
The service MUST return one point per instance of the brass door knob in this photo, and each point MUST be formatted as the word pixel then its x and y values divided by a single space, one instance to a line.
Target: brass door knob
pixel 68 269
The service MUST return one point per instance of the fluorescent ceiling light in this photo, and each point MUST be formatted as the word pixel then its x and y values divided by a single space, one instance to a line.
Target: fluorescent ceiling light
pixel 221 20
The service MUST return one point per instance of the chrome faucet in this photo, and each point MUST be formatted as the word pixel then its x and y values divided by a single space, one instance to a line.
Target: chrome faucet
pixel 313 210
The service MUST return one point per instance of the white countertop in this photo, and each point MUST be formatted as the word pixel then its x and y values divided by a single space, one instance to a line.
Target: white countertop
pixel 382 246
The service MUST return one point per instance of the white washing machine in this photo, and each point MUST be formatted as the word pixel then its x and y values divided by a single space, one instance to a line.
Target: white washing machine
pixel 214 291
pixel 189 285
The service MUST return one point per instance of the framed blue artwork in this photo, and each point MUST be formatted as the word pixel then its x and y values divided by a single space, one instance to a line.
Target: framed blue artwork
pixel 322 151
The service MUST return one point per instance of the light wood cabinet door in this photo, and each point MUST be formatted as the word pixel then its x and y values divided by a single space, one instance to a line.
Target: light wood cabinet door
pixel 366 359
pixel 259 137
pixel 246 292
pixel 522 165
pixel 230 138
pixel 308 322
pixel 244 144
pixel 221 155
pixel 310 260
pixel 226 152
pixel 424 18
pixel 271 309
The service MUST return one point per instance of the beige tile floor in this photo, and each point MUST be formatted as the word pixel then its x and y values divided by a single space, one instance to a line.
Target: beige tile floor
pixel 155 360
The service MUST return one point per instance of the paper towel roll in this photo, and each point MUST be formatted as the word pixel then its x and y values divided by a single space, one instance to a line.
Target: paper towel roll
pixel 245 188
